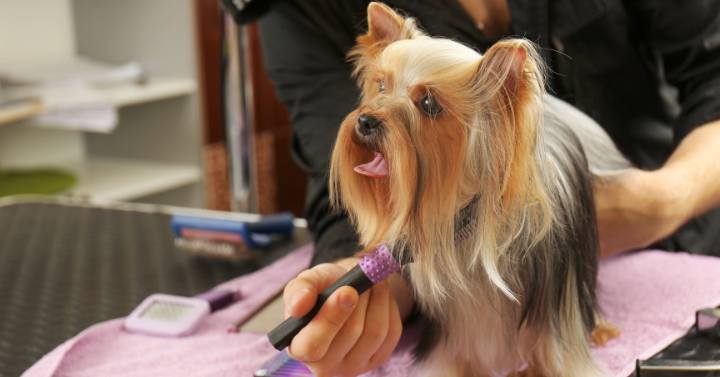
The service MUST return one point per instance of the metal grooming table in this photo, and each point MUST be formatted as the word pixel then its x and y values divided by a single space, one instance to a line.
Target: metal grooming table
pixel 66 264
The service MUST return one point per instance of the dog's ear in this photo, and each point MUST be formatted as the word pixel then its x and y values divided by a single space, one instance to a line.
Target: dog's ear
pixel 510 82
pixel 511 76
pixel 514 65
pixel 384 24
pixel 384 27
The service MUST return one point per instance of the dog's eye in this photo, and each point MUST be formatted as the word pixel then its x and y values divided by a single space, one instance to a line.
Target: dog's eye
pixel 429 106
pixel 381 86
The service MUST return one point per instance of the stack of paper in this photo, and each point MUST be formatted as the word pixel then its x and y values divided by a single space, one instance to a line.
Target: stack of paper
pixel 74 104
pixel 95 73
pixel 70 91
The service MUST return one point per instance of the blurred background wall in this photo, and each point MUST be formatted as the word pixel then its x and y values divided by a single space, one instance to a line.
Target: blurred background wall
pixel 196 122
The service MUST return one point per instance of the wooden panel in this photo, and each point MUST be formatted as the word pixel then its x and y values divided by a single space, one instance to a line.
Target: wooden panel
pixel 279 185
pixel 217 182
pixel 209 40
pixel 209 35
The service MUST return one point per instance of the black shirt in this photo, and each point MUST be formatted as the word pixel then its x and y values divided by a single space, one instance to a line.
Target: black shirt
pixel 648 71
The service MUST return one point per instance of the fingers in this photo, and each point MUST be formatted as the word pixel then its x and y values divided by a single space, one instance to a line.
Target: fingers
pixel 312 342
pixel 391 340
pixel 301 293
pixel 366 340
pixel 349 334
pixel 377 323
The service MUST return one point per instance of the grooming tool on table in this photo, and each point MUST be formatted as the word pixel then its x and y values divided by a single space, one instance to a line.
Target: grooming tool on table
pixel 676 368
pixel 693 355
pixel 707 321
pixel 229 239
pixel 281 365
pixel 169 315
pixel 372 269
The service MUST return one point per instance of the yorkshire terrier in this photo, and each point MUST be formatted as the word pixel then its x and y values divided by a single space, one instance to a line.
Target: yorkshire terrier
pixel 463 160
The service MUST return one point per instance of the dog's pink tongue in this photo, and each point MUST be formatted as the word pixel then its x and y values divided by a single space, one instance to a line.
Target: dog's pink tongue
pixel 376 168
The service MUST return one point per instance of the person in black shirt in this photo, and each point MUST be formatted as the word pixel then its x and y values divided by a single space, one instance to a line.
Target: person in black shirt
pixel 648 72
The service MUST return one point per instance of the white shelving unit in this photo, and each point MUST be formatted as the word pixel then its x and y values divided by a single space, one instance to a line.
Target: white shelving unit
pixel 154 153
pixel 157 89
pixel 120 96
pixel 19 111
pixel 123 179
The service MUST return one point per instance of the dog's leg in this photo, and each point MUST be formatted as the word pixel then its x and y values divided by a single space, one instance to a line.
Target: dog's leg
pixel 603 332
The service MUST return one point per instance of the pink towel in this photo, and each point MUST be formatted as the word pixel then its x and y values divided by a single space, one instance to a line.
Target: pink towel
pixel 651 296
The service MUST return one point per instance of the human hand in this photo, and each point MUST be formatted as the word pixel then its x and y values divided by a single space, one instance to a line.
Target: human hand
pixel 636 208
pixel 351 334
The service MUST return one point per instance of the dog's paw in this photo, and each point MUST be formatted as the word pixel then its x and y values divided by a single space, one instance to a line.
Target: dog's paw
pixel 603 332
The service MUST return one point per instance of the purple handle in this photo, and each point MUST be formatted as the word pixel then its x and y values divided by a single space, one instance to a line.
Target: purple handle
pixel 219 298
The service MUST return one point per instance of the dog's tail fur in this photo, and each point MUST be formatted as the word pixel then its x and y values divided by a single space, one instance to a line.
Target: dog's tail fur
pixel 586 154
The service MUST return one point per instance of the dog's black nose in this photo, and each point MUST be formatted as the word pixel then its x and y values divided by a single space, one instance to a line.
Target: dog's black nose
pixel 368 124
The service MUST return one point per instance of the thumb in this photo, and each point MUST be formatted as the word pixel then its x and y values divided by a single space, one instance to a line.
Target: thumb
pixel 301 293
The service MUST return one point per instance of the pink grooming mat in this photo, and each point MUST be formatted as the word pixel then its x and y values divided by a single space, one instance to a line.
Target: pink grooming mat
pixel 651 296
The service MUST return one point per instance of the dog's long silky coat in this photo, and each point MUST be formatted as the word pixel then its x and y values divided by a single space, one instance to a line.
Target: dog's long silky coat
pixel 458 129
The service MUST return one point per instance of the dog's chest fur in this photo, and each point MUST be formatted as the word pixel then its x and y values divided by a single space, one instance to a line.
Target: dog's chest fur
pixel 479 331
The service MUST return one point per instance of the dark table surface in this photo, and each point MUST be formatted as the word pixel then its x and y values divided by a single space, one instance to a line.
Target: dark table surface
pixel 65 265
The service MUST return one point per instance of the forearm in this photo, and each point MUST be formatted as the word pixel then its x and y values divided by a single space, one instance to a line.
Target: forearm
pixel 636 208
pixel 693 172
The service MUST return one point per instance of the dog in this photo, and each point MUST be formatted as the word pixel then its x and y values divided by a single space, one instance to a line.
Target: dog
pixel 464 161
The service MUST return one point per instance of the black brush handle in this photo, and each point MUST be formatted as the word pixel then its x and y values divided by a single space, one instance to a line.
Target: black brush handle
pixel 282 335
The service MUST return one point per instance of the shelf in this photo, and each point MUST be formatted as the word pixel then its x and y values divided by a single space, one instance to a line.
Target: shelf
pixel 156 89
pixel 113 179
pixel 121 96
pixel 19 111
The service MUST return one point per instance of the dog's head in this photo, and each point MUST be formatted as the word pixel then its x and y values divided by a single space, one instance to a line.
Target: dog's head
pixel 438 124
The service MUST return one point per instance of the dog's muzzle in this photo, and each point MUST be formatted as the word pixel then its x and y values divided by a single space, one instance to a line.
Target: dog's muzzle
pixel 367 131
pixel 368 125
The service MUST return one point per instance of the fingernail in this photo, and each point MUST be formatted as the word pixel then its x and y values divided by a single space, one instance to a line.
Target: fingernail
pixel 347 301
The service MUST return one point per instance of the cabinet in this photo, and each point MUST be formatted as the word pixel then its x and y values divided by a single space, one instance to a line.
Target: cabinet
pixel 154 153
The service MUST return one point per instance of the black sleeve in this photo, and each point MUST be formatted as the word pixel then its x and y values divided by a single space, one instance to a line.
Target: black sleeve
pixel 304 47
pixel 685 38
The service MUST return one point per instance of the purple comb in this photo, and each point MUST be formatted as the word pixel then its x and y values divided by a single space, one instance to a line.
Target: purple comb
pixel 372 269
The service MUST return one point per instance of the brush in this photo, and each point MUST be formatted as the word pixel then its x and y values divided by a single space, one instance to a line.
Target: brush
pixel 372 269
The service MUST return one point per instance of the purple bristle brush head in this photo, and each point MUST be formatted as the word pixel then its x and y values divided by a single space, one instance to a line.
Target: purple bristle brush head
pixel 379 265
